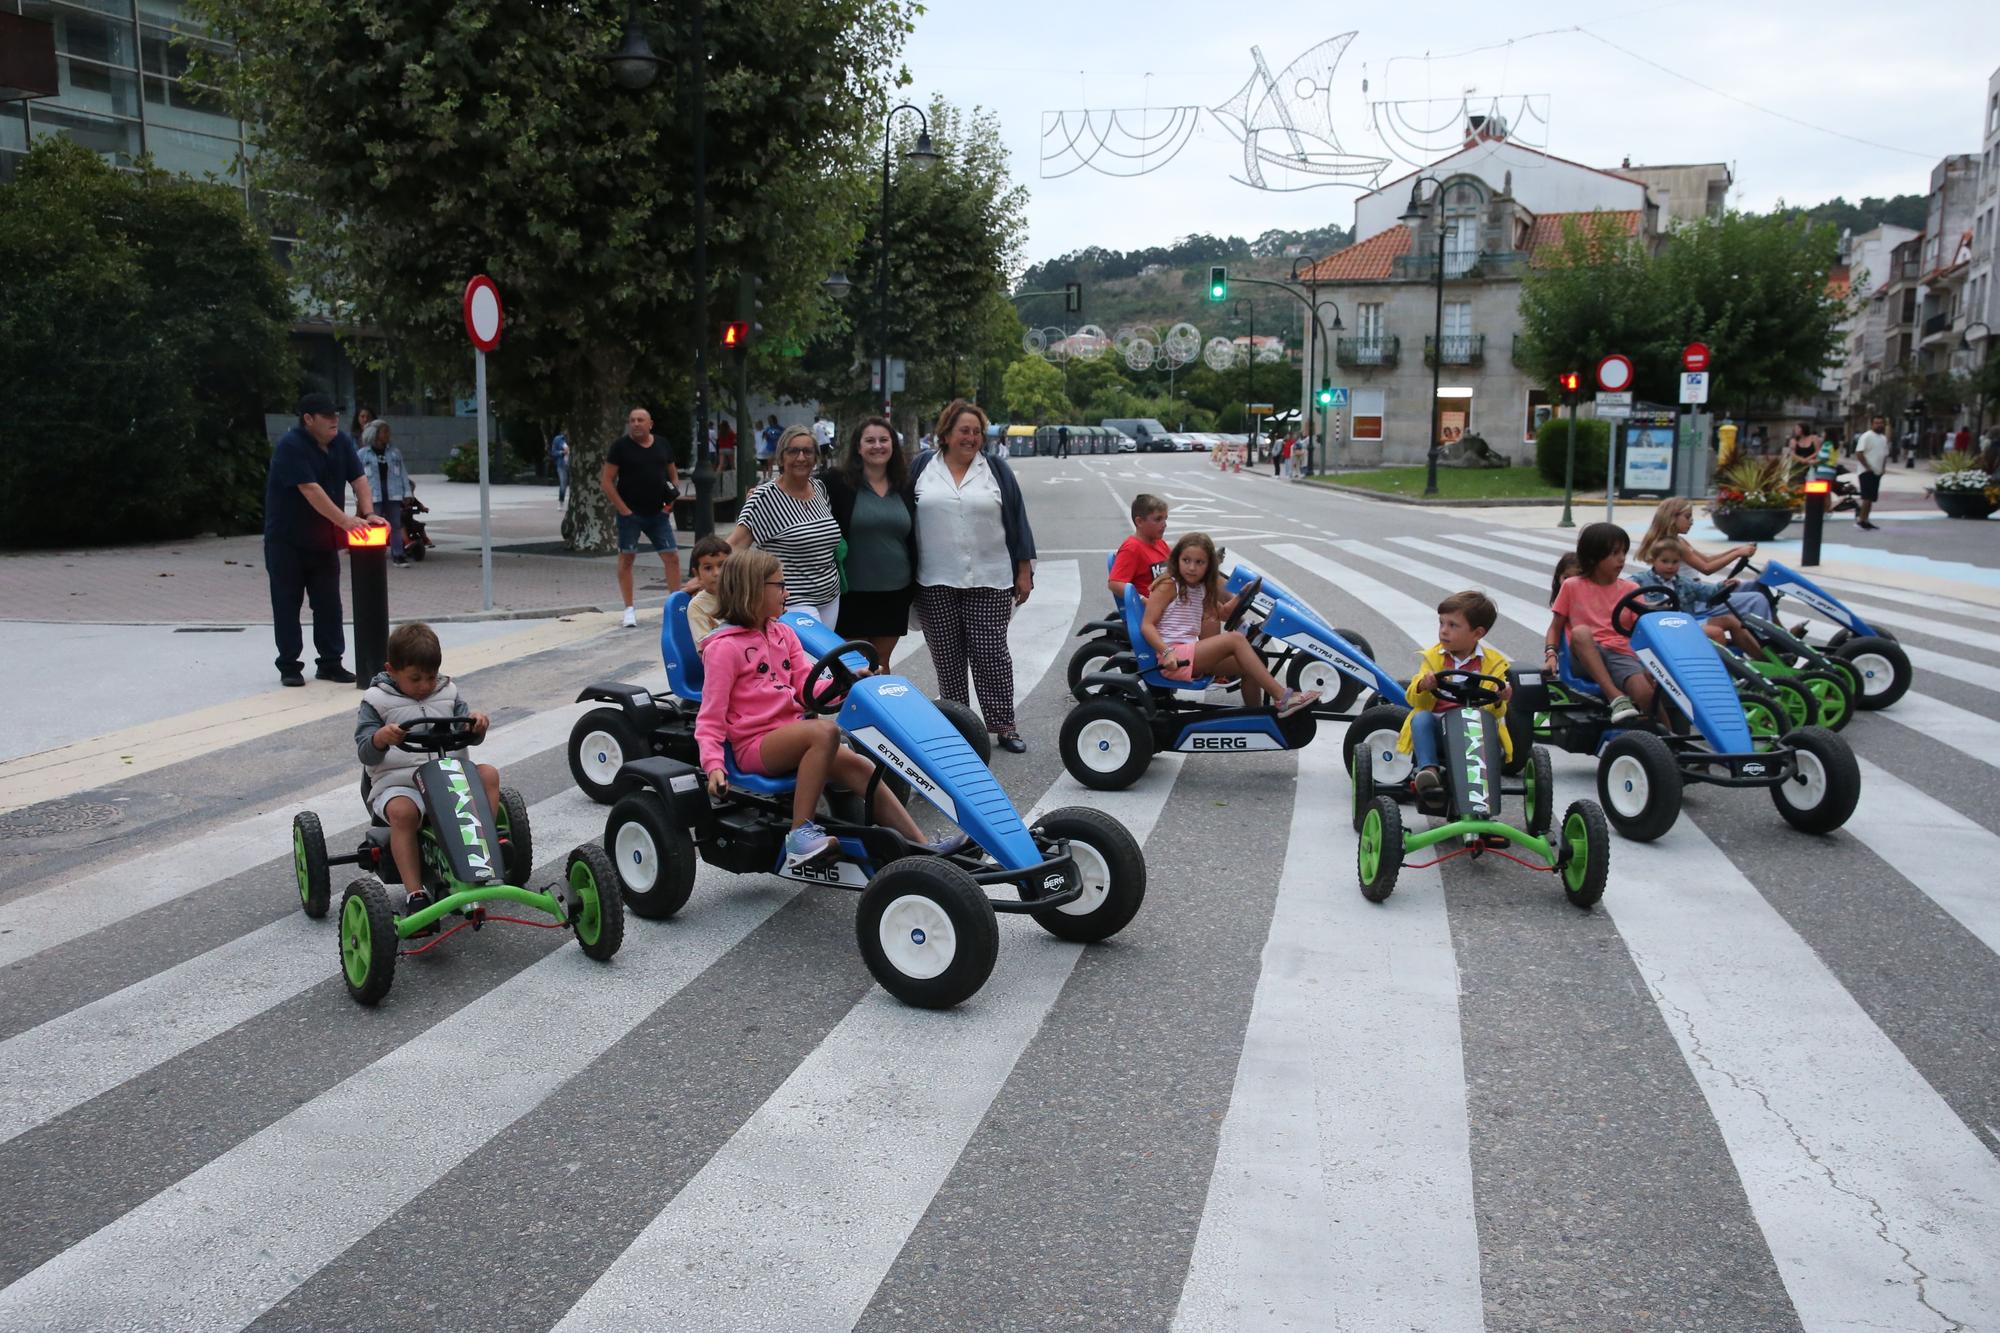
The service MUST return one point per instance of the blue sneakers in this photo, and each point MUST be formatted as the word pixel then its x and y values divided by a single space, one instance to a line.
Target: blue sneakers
pixel 952 845
pixel 808 845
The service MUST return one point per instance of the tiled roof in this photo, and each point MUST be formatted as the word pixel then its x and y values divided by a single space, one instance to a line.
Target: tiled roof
pixel 1364 260
pixel 1548 228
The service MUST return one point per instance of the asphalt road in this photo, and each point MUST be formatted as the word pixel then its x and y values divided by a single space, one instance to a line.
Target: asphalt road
pixel 1757 1088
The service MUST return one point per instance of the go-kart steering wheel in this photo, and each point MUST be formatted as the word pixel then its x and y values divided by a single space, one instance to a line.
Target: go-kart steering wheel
pixel 840 677
pixel 438 735
pixel 1742 563
pixel 1467 689
pixel 1639 602
pixel 1243 601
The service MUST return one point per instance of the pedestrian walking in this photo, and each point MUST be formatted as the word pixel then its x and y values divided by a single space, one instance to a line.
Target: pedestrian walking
pixel 1062 441
pixel 725 440
pixel 791 517
pixel 876 508
pixel 975 564
pixel 822 433
pixel 642 483
pixel 305 526
pixel 1871 453
pixel 559 455
pixel 767 447
pixel 388 481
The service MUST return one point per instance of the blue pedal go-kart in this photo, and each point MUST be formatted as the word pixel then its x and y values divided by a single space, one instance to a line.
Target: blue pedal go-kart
pixel 925 923
pixel 1641 767
pixel 1875 665
pixel 1108 741
pixel 1471 801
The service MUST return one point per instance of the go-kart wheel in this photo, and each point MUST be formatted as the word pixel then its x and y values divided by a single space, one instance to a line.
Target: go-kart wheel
pixel 599 744
pixel 1538 776
pixel 927 932
pixel 368 941
pixel 1830 690
pixel 1112 867
pixel 1586 851
pixel 1380 854
pixel 309 864
pixel 416 552
pixel 512 817
pixel 1520 725
pixel 1088 658
pixel 1336 691
pixel 652 856
pixel 599 920
pixel 1825 785
pixel 1764 714
pixel 1380 726
pixel 1639 784
pixel 1105 744
pixel 1798 706
pixel 1882 665
pixel 1361 774
pixel 970 725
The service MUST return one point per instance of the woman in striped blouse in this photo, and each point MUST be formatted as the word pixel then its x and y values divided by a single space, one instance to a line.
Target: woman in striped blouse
pixel 790 517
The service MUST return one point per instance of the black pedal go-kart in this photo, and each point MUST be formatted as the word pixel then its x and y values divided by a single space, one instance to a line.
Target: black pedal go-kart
pixel 473 856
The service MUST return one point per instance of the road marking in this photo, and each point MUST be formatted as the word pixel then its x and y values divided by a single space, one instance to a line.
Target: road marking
pixel 1527 614
pixel 1400 609
pixel 1337 1117
pixel 94 1048
pixel 1932 846
pixel 864 1133
pixel 1040 626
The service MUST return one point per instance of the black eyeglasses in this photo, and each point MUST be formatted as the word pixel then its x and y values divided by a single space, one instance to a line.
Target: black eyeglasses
pixel 800 452
pixel 774 583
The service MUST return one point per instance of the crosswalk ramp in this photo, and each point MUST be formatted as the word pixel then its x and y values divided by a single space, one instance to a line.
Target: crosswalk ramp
pixel 1754 1089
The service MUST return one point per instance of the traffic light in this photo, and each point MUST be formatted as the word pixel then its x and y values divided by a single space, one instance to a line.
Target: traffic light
pixel 1325 394
pixel 1218 283
pixel 1073 298
pixel 736 335
pixel 1569 380
pixel 748 309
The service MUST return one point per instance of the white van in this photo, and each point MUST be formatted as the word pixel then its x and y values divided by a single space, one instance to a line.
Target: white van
pixel 1148 435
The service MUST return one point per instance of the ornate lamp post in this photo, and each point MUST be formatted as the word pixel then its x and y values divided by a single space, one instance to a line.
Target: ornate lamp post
pixel 921 156
pixel 1413 216
pixel 1311 266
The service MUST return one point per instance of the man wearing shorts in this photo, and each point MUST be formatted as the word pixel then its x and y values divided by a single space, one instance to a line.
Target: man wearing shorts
pixel 642 483
pixel 1871 451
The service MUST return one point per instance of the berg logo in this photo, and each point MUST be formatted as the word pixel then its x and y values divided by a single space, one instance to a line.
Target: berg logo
pixel 1052 883
pixel 894 691
pixel 1753 770
pixel 1673 622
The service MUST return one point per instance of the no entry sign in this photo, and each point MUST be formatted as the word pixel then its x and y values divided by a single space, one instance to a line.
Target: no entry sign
pixel 1614 373
pixel 1694 357
pixel 483 316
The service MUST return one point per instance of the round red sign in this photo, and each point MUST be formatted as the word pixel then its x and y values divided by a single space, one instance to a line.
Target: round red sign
pixel 1614 373
pixel 1694 357
pixel 483 316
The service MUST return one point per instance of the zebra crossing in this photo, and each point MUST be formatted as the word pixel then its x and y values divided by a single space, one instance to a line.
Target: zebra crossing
pixel 1755 1089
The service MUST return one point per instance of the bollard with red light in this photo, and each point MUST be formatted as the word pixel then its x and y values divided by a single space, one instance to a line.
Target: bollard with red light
pixel 1816 488
pixel 368 558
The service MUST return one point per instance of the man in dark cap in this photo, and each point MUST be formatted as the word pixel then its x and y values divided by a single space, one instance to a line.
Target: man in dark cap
pixel 305 526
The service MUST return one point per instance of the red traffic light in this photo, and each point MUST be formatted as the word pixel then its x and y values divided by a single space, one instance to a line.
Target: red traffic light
pixel 736 333
pixel 1569 380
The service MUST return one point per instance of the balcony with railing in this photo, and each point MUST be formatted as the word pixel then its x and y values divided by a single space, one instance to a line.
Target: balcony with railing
pixel 1382 349
pixel 1460 266
pixel 1937 323
pixel 1460 349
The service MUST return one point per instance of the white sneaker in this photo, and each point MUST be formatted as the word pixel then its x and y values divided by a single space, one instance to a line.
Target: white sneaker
pixel 1623 709
pixel 631 620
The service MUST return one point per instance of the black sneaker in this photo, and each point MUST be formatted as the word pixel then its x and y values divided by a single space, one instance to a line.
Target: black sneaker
pixel 1428 782
pixel 294 678
pixel 337 673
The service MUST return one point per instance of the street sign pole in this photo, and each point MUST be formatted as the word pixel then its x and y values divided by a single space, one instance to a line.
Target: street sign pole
pixel 485 489
pixel 1614 378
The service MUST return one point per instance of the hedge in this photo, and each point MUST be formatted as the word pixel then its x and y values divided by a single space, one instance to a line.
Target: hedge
pixel 1593 438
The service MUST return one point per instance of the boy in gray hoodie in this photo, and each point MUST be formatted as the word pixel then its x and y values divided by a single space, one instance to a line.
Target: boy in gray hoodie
pixel 410 689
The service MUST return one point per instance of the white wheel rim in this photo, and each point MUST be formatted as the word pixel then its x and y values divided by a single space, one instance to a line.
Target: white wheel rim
pixel 638 857
pixel 1875 672
pixel 1317 675
pixel 1806 788
pixel 1095 872
pixel 1391 765
pixel 1103 745
pixel 1626 783
pixel 601 756
pixel 917 937
pixel 1092 665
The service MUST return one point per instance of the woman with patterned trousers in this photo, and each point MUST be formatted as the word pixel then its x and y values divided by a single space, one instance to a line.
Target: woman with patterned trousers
pixel 975 564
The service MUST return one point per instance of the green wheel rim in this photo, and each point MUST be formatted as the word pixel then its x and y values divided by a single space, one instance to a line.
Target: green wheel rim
pixel 357 941
pixel 1528 795
pixel 1353 783
pixel 1832 702
pixel 1371 844
pixel 1793 699
pixel 589 917
pixel 1848 674
pixel 1577 868
pixel 1763 722
pixel 299 864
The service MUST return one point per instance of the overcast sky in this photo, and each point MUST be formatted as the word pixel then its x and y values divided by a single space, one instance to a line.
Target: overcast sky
pixel 1909 76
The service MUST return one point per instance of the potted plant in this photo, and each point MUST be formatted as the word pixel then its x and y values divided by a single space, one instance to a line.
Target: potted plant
pixel 1754 498
pixel 1964 489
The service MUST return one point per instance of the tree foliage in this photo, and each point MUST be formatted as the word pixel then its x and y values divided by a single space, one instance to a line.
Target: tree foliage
pixel 422 141
pixel 142 333
pixel 1904 210
pixel 1034 393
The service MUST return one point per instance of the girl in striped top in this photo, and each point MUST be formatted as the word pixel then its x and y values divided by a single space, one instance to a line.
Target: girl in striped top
pixel 1175 610
pixel 791 518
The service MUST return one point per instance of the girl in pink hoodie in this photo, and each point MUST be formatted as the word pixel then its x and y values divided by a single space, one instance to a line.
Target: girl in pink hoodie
pixel 753 667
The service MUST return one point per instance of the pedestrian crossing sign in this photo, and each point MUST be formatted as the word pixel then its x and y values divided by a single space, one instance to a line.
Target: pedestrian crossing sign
pixel 1339 398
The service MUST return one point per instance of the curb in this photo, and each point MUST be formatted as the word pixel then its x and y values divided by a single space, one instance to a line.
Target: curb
pixel 467 617
pixel 1363 493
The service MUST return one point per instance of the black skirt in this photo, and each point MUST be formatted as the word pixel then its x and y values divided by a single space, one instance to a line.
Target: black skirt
pixel 874 615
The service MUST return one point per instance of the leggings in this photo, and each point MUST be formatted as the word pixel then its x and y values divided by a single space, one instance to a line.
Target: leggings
pixel 969 626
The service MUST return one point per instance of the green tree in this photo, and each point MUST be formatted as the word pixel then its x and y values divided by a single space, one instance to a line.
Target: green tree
pixel 1034 391
pixel 423 141
pixel 142 333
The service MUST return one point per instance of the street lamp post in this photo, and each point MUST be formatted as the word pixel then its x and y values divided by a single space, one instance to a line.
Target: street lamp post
pixel 1327 356
pixel 1413 215
pixel 1312 303
pixel 923 155
pixel 1978 398
pixel 1249 368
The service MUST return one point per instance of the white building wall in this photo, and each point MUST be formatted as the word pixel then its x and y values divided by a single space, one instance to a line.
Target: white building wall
pixel 1543 184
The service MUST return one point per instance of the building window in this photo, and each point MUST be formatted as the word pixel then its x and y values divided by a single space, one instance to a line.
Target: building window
pixel 1456 346
pixel 1368 341
pixel 1462 206
pixel 1367 407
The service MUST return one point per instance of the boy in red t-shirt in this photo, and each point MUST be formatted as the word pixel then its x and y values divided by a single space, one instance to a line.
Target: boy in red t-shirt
pixel 1142 557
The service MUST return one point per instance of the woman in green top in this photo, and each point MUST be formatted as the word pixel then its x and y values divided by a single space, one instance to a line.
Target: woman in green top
pixel 875 505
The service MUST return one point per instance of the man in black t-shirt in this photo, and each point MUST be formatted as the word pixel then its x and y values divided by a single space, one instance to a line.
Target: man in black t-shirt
pixel 642 483
pixel 305 527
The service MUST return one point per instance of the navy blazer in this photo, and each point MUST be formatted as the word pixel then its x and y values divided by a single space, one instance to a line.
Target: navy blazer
pixel 1013 508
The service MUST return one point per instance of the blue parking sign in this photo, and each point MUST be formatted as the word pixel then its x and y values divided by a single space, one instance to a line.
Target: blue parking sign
pixel 1339 398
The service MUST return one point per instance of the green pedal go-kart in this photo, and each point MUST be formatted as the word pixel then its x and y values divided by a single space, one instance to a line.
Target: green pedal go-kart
pixel 473 856
pixel 1470 801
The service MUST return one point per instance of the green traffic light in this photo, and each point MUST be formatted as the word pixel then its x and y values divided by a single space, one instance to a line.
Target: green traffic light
pixel 1218 283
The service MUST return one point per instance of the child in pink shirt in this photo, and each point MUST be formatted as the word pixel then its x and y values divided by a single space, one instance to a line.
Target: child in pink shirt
pixel 1582 611
pixel 753 667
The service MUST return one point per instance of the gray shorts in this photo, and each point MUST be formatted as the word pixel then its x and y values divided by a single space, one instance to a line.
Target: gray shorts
pixel 379 797
pixel 1622 665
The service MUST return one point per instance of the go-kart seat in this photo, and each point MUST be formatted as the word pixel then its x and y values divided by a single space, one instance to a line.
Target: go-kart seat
pixel 677 650
pixel 1566 672
pixel 1148 660
pixel 757 783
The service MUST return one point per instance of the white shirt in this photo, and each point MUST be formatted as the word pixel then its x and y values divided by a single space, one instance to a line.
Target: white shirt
pixel 823 432
pixel 1872 448
pixel 961 536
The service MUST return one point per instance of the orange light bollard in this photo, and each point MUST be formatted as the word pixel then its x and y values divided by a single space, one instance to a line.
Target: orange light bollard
pixel 368 574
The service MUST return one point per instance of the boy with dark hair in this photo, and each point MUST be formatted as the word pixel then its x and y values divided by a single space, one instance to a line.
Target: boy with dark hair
pixel 409 690
pixel 1142 557
pixel 703 612
pixel 1463 621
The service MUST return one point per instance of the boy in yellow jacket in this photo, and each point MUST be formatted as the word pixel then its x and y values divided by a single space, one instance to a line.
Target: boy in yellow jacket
pixel 1463 620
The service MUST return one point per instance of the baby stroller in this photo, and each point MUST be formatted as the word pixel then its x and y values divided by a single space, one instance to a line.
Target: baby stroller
pixel 415 540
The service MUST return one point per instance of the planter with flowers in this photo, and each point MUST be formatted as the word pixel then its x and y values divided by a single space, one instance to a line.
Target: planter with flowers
pixel 1964 489
pixel 1754 499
